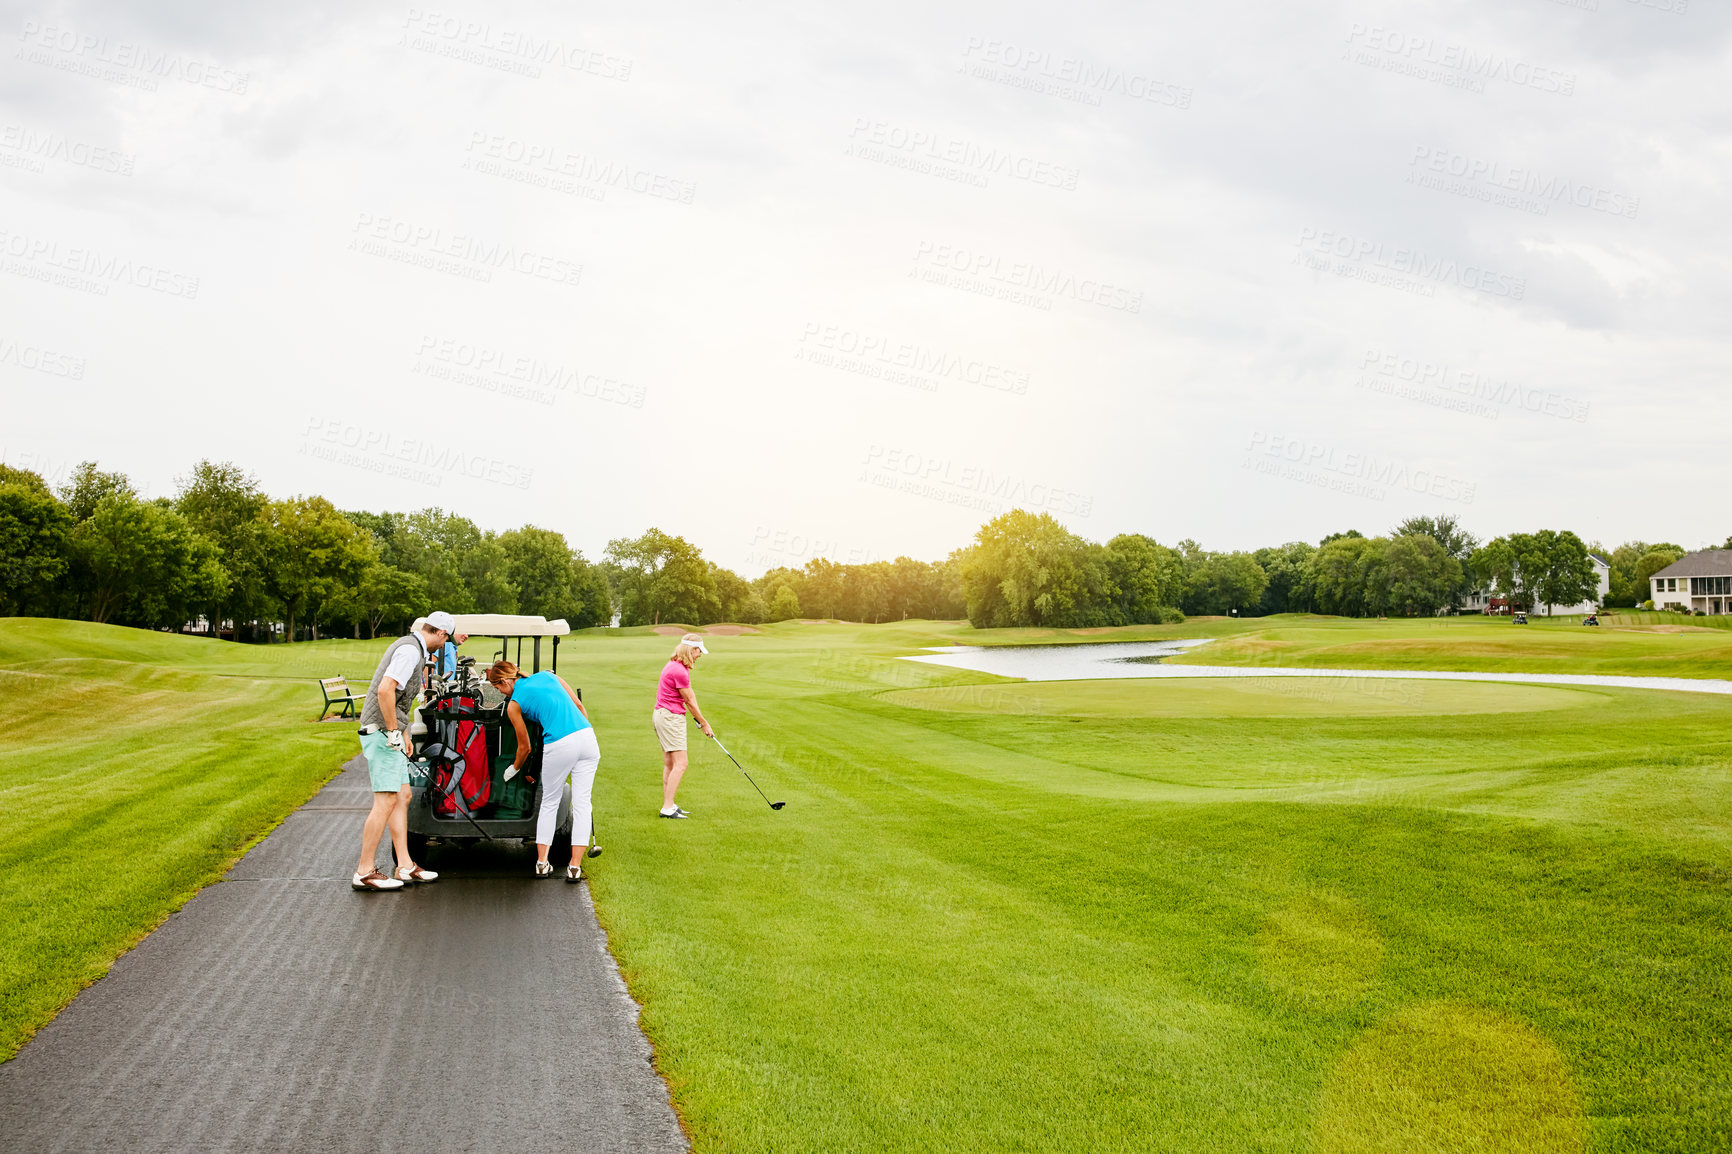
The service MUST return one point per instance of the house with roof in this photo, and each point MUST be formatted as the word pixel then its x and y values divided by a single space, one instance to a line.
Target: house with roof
pixel 1492 601
pixel 1695 583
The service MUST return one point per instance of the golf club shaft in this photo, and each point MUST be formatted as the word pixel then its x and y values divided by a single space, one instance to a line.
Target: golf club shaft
pixel 742 770
pixel 464 810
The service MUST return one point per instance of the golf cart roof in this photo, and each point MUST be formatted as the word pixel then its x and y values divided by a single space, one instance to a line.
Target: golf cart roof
pixel 510 625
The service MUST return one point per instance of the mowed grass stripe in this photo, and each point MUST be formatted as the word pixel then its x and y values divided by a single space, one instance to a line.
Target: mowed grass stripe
pixel 128 786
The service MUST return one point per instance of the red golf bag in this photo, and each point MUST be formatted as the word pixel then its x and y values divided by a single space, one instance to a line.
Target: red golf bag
pixel 458 780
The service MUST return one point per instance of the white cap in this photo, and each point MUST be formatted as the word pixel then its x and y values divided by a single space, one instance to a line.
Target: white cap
pixel 696 643
pixel 439 619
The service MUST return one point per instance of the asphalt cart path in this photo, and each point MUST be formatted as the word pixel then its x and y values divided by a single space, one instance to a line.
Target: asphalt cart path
pixel 281 1010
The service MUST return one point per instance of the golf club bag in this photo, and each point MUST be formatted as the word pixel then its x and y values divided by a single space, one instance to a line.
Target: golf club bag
pixel 458 777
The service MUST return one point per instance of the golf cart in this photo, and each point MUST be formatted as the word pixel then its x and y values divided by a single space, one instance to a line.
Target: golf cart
pixel 1520 618
pixel 464 743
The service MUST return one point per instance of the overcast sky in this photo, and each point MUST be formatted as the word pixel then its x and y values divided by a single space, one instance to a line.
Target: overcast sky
pixel 851 279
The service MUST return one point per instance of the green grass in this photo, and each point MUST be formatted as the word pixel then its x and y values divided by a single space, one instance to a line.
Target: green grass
pixel 137 767
pixel 1489 644
pixel 1102 916
pixel 1647 618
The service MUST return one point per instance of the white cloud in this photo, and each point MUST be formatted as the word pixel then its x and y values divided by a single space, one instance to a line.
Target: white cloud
pixel 383 180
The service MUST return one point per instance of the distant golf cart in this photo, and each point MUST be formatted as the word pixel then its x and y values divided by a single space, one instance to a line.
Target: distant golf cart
pixel 464 743
pixel 1520 618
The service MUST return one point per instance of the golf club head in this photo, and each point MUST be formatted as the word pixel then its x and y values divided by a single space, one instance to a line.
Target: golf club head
pixel 594 851
pixel 777 804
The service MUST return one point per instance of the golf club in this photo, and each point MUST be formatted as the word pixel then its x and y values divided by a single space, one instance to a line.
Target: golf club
pixel 742 769
pixel 594 850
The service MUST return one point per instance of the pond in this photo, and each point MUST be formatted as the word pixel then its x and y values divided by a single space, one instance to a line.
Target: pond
pixel 1061 662
pixel 1089 662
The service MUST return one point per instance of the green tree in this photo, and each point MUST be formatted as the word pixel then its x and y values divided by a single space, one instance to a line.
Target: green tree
pixel 384 594
pixel 784 604
pixel 661 578
pixel 387 530
pixel 1445 529
pixel 88 488
pixel 486 573
pixel 755 610
pixel 451 555
pixel 316 554
pixel 733 593
pixel 866 591
pixel 1456 541
pixel 35 542
pixel 1505 565
pixel 1027 569
pixel 224 504
pixel 821 595
pixel 1147 579
pixel 1568 575
pixel 1339 570
pixel 1414 576
pixel 141 562
pixel 910 585
pixel 12 475
pixel 1224 583
pixel 1640 584
pixel 774 579
pixel 1290 577
pixel 1543 568
pixel 946 599
pixel 1633 564
pixel 538 566
pixel 591 598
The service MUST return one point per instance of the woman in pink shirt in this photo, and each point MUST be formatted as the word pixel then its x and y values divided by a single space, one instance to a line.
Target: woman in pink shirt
pixel 674 698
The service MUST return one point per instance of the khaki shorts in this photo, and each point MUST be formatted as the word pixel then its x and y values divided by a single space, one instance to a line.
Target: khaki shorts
pixel 670 729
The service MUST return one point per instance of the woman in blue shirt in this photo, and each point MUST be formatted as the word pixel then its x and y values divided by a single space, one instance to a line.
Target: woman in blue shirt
pixel 568 750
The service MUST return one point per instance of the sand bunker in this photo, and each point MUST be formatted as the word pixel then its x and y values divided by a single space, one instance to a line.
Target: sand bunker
pixel 1666 629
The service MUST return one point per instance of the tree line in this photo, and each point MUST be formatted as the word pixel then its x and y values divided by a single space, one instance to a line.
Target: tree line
pixel 222 551
pixel 1027 569
pixel 657 578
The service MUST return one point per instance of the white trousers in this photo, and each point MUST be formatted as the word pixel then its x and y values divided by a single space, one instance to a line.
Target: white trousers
pixel 574 756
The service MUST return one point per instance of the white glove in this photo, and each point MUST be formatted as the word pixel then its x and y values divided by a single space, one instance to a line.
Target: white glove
pixel 509 774
pixel 394 739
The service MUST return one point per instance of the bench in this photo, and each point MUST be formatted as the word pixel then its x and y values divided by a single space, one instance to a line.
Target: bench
pixel 338 694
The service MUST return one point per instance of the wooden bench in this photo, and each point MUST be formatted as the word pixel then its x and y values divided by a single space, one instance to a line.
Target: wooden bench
pixel 338 694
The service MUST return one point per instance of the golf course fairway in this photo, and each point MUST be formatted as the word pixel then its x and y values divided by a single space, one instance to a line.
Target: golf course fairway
pixel 1174 915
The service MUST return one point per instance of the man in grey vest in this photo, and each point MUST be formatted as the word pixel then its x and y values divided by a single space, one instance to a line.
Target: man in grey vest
pixel 389 707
